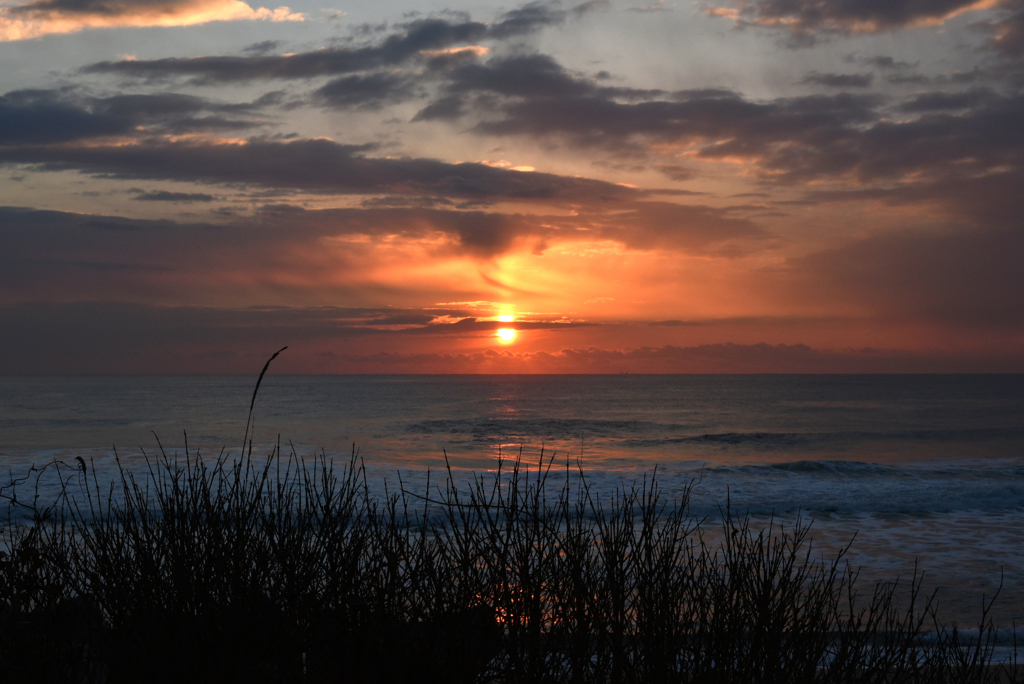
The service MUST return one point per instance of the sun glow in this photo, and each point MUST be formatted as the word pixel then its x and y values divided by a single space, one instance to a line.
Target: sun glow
pixel 506 334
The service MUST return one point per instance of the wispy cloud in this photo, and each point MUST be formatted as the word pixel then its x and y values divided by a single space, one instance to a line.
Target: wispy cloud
pixel 319 166
pixel 839 80
pixel 52 116
pixel 126 338
pixel 417 39
pixel 803 19
pixel 43 17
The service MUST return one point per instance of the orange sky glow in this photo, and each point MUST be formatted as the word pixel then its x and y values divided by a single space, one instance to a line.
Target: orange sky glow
pixel 547 188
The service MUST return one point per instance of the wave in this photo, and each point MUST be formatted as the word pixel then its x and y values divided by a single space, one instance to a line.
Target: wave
pixel 776 440
pixel 545 427
pixel 858 488
pixel 651 434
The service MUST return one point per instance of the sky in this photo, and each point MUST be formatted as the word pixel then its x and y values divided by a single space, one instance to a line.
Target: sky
pixel 755 186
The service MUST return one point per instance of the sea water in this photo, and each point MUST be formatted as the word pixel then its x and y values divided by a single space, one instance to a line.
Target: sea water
pixel 924 471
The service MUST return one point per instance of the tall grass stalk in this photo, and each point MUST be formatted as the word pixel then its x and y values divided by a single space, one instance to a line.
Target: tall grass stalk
pixel 289 570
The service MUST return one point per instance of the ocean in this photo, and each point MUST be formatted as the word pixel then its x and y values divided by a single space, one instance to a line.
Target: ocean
pixel 916 470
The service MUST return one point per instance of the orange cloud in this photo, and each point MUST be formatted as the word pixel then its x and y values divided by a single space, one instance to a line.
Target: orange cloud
pixel 43 17
pixel 474 50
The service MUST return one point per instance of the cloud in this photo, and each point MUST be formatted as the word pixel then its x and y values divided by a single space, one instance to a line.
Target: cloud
pixel 73 256
pixel 165 196
pixel 1006 33
pixel 476 233
pixel 444 108
pixel 319 166
pixel 371 91
pixel 987 201
pixel 676 172
pixel 939 101
pixel 805 18
pixel 69 256
pixel 884 62
pixel 414 38
pixel 844 137
pixel 97 338
pixel 44 117
pixel 42 17
pixel 795 139
pixel 541 99
pixel 841 138
pixel 535 16
pixel 104 337
pixel 526 19
pixel 527 76
pixel 908 79
pixel 938 144
pixel 966 279
pixel 652 225
pixel 437 43
pixel 839 80
pixel 262 46
pixel 958 170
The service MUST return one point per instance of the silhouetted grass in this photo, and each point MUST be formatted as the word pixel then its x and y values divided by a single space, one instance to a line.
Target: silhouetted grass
pixel 290 570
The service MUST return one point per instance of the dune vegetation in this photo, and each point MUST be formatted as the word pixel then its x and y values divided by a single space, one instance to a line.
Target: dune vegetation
pixel 287 569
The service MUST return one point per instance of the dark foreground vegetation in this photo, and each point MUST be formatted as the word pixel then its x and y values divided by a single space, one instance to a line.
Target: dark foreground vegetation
pixel 284 570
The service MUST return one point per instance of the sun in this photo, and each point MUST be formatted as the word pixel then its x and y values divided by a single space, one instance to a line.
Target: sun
pixel 506 334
